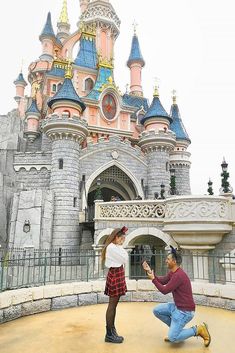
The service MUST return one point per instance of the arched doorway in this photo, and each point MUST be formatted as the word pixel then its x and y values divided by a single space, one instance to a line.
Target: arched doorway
pixel 113 184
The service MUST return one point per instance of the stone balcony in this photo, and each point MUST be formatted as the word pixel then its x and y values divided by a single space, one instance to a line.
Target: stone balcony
pixel 193 222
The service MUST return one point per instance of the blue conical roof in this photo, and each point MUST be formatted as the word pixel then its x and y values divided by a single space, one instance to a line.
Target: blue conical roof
pixel 33 107
pixel 68 93
pixel 20 79
pixel 177 125
pixel 48 30
pixel 87 55
pixel 156 110
pixel 135 55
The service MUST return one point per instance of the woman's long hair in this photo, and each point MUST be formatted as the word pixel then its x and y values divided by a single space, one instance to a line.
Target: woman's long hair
pixel 115 233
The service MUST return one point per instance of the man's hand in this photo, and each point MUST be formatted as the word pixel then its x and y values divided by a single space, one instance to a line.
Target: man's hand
pixel 146 266
pixel 151 275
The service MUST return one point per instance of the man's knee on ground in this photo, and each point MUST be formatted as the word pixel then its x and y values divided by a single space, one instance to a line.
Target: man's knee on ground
pixel 172 338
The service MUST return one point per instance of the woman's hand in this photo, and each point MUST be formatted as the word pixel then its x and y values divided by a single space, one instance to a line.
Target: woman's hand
pixel 151 275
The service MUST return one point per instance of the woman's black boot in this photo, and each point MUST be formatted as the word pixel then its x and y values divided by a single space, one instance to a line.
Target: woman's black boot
pixel 111 337
pixel 116 334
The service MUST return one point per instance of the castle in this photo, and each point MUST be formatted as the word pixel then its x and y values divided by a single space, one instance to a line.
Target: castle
pixel 78 140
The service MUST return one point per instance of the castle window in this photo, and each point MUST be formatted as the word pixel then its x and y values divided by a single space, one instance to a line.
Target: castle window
pixel 61 163
pixel 167 166
pixel 54 87
pixel 67 112
pixel 89 84
pixel 75 202
pixel 58 86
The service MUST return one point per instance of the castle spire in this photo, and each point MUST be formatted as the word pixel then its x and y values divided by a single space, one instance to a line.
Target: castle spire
pixel 64 13
pixel 47 38
pixel 177 125
pixel 63 25
pixel 135 63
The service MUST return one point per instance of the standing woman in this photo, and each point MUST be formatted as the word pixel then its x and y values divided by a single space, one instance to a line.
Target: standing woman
pixel 114 257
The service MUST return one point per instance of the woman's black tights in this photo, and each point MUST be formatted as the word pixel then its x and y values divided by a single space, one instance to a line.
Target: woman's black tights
pixel 111 311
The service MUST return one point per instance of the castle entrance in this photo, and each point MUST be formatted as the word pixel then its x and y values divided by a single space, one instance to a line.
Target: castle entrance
pixel 113 184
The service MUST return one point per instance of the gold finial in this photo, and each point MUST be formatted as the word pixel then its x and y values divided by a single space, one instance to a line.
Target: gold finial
pixel 174 96
pixel 69 70
pixel 64 13
pixel 135 24
pixel 110 79
pixel 156 86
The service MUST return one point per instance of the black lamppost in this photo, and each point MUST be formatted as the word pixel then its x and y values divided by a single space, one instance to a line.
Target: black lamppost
pixel 225 175
pixel 98 193
pixel 210 190
pixel 172 182
pixel 162 192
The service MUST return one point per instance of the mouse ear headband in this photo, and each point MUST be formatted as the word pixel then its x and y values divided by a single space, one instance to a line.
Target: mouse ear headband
pixel 173 251
pixel 124 230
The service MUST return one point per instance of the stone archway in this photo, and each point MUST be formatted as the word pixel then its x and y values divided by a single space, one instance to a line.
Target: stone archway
pixel 129 189
pixel 149 231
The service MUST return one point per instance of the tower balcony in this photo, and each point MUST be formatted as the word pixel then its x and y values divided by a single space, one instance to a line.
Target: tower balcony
pixel 59 127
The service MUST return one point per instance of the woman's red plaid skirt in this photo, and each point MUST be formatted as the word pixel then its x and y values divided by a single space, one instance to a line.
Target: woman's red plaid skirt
pixel 115 282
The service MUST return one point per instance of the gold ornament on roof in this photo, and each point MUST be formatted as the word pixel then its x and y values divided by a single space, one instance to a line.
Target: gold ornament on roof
pixel 88 31
pixel 35 88
pixel 104 62
pixel 69 70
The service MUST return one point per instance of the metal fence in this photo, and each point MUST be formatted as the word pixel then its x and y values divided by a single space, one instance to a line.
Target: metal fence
pixel 27 268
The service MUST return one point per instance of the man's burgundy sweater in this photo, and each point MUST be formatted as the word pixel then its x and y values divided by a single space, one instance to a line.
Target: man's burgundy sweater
pixel 179 284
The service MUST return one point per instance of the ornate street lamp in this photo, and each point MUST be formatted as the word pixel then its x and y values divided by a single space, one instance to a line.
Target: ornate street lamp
pixel 162 192
pixel 98 194
pixel 172 182
pixel 210 190
pixel 225 186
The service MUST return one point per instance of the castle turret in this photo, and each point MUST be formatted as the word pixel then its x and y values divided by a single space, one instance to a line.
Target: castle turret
pixel 47 38
pixel 157 142
pixel 20 85
pixel 67 130
pixel 180 157
pixel 135 63
pixel 63 25
pixel 32 117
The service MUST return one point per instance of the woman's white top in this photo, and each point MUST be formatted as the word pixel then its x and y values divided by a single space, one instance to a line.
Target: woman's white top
pixel 116 256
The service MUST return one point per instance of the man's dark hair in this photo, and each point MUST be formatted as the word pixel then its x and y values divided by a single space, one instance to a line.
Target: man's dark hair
pixel 175 254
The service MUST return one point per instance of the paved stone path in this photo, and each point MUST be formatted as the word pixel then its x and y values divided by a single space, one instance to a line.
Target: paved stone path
pixel 81 330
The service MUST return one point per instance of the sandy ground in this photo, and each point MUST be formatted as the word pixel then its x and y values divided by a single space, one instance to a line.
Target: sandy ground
pixel 82 330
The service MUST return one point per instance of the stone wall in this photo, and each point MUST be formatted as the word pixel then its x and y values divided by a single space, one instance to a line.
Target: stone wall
pixel 35 206
pixel 29 301
pixel 158 172
pixel 182 179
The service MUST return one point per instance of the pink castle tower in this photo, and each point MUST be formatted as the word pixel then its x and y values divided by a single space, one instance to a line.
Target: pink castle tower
pixel 135 63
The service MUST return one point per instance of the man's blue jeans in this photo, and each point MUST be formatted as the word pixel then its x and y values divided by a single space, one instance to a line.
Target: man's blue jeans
pixel 176 319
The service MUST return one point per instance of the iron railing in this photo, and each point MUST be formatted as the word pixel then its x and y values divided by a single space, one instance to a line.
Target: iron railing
pixel 29 267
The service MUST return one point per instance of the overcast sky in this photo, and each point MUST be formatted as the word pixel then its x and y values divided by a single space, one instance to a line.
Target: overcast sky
pixel 189 45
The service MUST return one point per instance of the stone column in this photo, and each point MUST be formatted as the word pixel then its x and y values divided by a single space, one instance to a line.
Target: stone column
pixel 200 262
pixel 66 135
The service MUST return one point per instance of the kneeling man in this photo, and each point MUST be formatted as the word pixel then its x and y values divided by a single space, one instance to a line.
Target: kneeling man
pixel 176 315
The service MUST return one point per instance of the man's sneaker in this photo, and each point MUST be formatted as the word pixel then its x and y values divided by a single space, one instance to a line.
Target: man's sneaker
pixel 202 331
